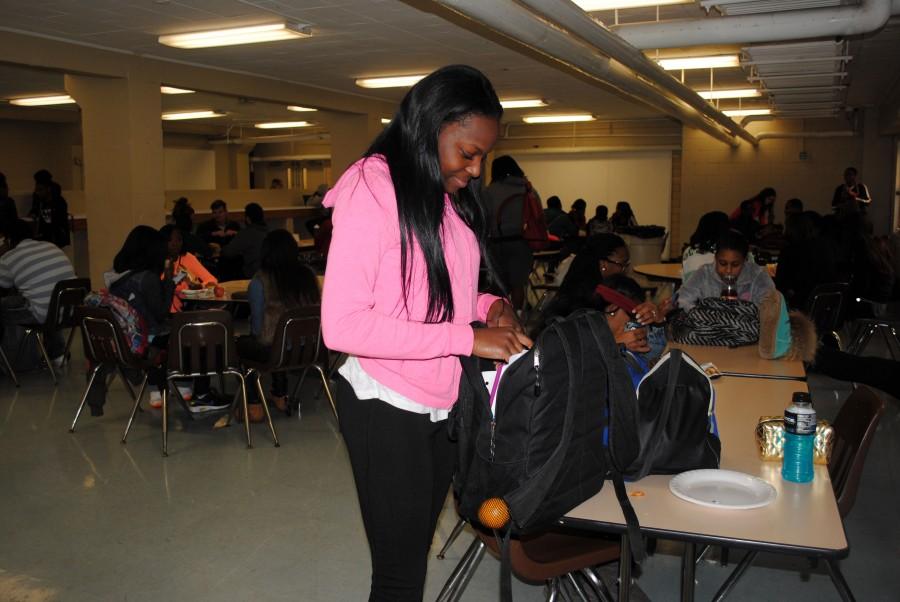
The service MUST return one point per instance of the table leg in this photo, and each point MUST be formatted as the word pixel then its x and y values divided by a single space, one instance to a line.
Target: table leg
pixel 838 579
pixel 687 572
pixel 624 568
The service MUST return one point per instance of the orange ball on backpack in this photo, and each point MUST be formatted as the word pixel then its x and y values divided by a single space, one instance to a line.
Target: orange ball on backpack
pixel 493 513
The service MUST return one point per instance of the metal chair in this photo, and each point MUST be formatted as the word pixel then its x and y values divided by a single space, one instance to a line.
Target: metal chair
pixel 297 346
pixel 854 428
pixel 201 343
pixel 556 558
pixel 7 367
pixel 105 347
pixel 66 296
pixel 826 306
pixel 885 321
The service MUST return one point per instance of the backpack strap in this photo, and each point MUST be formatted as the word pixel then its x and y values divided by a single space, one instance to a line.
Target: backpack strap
pixel 526 498
pixel 505 565
pixel 615 376
pixel 675 361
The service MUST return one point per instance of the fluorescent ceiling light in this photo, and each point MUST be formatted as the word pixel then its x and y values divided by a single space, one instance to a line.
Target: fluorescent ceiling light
pixel 701 62
pixel 557 118
pixel 277 125
pixel 747 112
pixel 717 94
pixel 595 5
pixel 385 121
pixel 171 90
pixel 300 109
pixel 202 114
pixel 237 35
pixel 525 103
pixel 43 101
pixel 402 81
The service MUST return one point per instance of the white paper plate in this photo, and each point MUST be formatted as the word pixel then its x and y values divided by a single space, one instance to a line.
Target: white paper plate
pixel 203 293
pixel 722 489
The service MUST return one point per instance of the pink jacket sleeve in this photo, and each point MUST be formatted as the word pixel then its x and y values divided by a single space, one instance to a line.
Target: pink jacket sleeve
pixel 365 224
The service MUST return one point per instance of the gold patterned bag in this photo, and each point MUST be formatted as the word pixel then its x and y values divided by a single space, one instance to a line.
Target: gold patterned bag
pixel 770 439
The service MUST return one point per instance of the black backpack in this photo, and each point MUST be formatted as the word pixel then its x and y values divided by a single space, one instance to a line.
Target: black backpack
pixel 565 421
pixel 677 420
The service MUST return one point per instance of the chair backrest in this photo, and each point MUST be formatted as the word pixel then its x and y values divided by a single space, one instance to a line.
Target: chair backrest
pixel 201 343
pixel 101 336
pixel 854 429
pixel 66 296
pixel 297 338
pixel 825 306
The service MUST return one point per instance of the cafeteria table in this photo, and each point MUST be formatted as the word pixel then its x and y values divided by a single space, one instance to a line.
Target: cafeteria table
pixel 745 362
pixel 660 271
pixel 802 520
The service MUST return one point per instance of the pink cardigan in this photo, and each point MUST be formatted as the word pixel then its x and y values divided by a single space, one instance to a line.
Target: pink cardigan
pixel 362 302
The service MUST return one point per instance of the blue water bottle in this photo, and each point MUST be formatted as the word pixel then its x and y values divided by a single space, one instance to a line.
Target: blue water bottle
pixel 799 437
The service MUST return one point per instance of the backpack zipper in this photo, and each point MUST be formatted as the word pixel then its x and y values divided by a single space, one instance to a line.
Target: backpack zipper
pixel 537 371
pixel 493 429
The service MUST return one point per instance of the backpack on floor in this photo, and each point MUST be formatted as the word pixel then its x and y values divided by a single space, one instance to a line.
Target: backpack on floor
pixel 717 322
pixel 677 419
pixel 564 420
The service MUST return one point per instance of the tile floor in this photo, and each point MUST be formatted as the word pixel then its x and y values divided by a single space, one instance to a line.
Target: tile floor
pixel 85 518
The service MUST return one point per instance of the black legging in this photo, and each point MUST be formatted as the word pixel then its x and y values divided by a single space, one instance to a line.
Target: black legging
pixel 402 464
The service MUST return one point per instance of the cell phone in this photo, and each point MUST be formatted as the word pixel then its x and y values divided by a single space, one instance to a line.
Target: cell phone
pixel 632 325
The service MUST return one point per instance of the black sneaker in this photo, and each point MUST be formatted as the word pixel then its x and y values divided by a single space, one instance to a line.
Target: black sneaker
pixel 208 402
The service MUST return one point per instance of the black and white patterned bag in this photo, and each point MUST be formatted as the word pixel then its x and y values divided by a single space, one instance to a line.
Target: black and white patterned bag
pixel 717 322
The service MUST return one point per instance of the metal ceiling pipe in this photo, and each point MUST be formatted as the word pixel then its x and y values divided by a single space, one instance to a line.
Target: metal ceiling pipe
pixel 576 21
pixel 777 135
pixel 782 26
pixel 516 22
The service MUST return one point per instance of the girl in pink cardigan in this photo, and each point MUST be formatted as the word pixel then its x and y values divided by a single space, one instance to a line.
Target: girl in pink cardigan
pixel 401 289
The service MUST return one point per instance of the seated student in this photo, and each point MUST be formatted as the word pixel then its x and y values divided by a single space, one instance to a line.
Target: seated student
pixel 281 283
pixel 32 267
pixel 142 276
pixel 248 242
pixel 623 217
pixel 701 249
pixel 8 211
pixel 752 281
pixel 186 269
pixel 218 230
pixel 602 257
pixel 50 210
pixel 641 346
pixel 577 214
pixel 183 216
pixel 806 261
pixel 559 223
pixel 599 224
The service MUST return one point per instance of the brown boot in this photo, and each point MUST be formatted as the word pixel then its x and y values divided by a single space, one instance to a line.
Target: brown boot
pixel 254 409
pixel 280 402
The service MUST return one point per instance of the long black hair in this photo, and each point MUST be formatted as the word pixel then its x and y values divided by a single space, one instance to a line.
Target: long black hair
pixel 709 229
pixel 145 249
pixel 294 282
pixel 410 146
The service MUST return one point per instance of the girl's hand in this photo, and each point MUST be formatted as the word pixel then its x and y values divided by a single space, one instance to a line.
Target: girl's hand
pixel 501 313
pixel 648 313
pixel 499 343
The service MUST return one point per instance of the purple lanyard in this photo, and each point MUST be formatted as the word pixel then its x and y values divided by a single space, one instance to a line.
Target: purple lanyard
pixel 494 388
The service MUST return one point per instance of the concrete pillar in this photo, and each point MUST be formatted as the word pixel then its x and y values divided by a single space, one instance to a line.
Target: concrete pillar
pixel 233 166
pixel 351 135
pixel 877 171
pixel 124 174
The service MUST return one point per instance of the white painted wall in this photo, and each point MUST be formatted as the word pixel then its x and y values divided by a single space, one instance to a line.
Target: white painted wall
pixel 643 178
pixel 190 169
